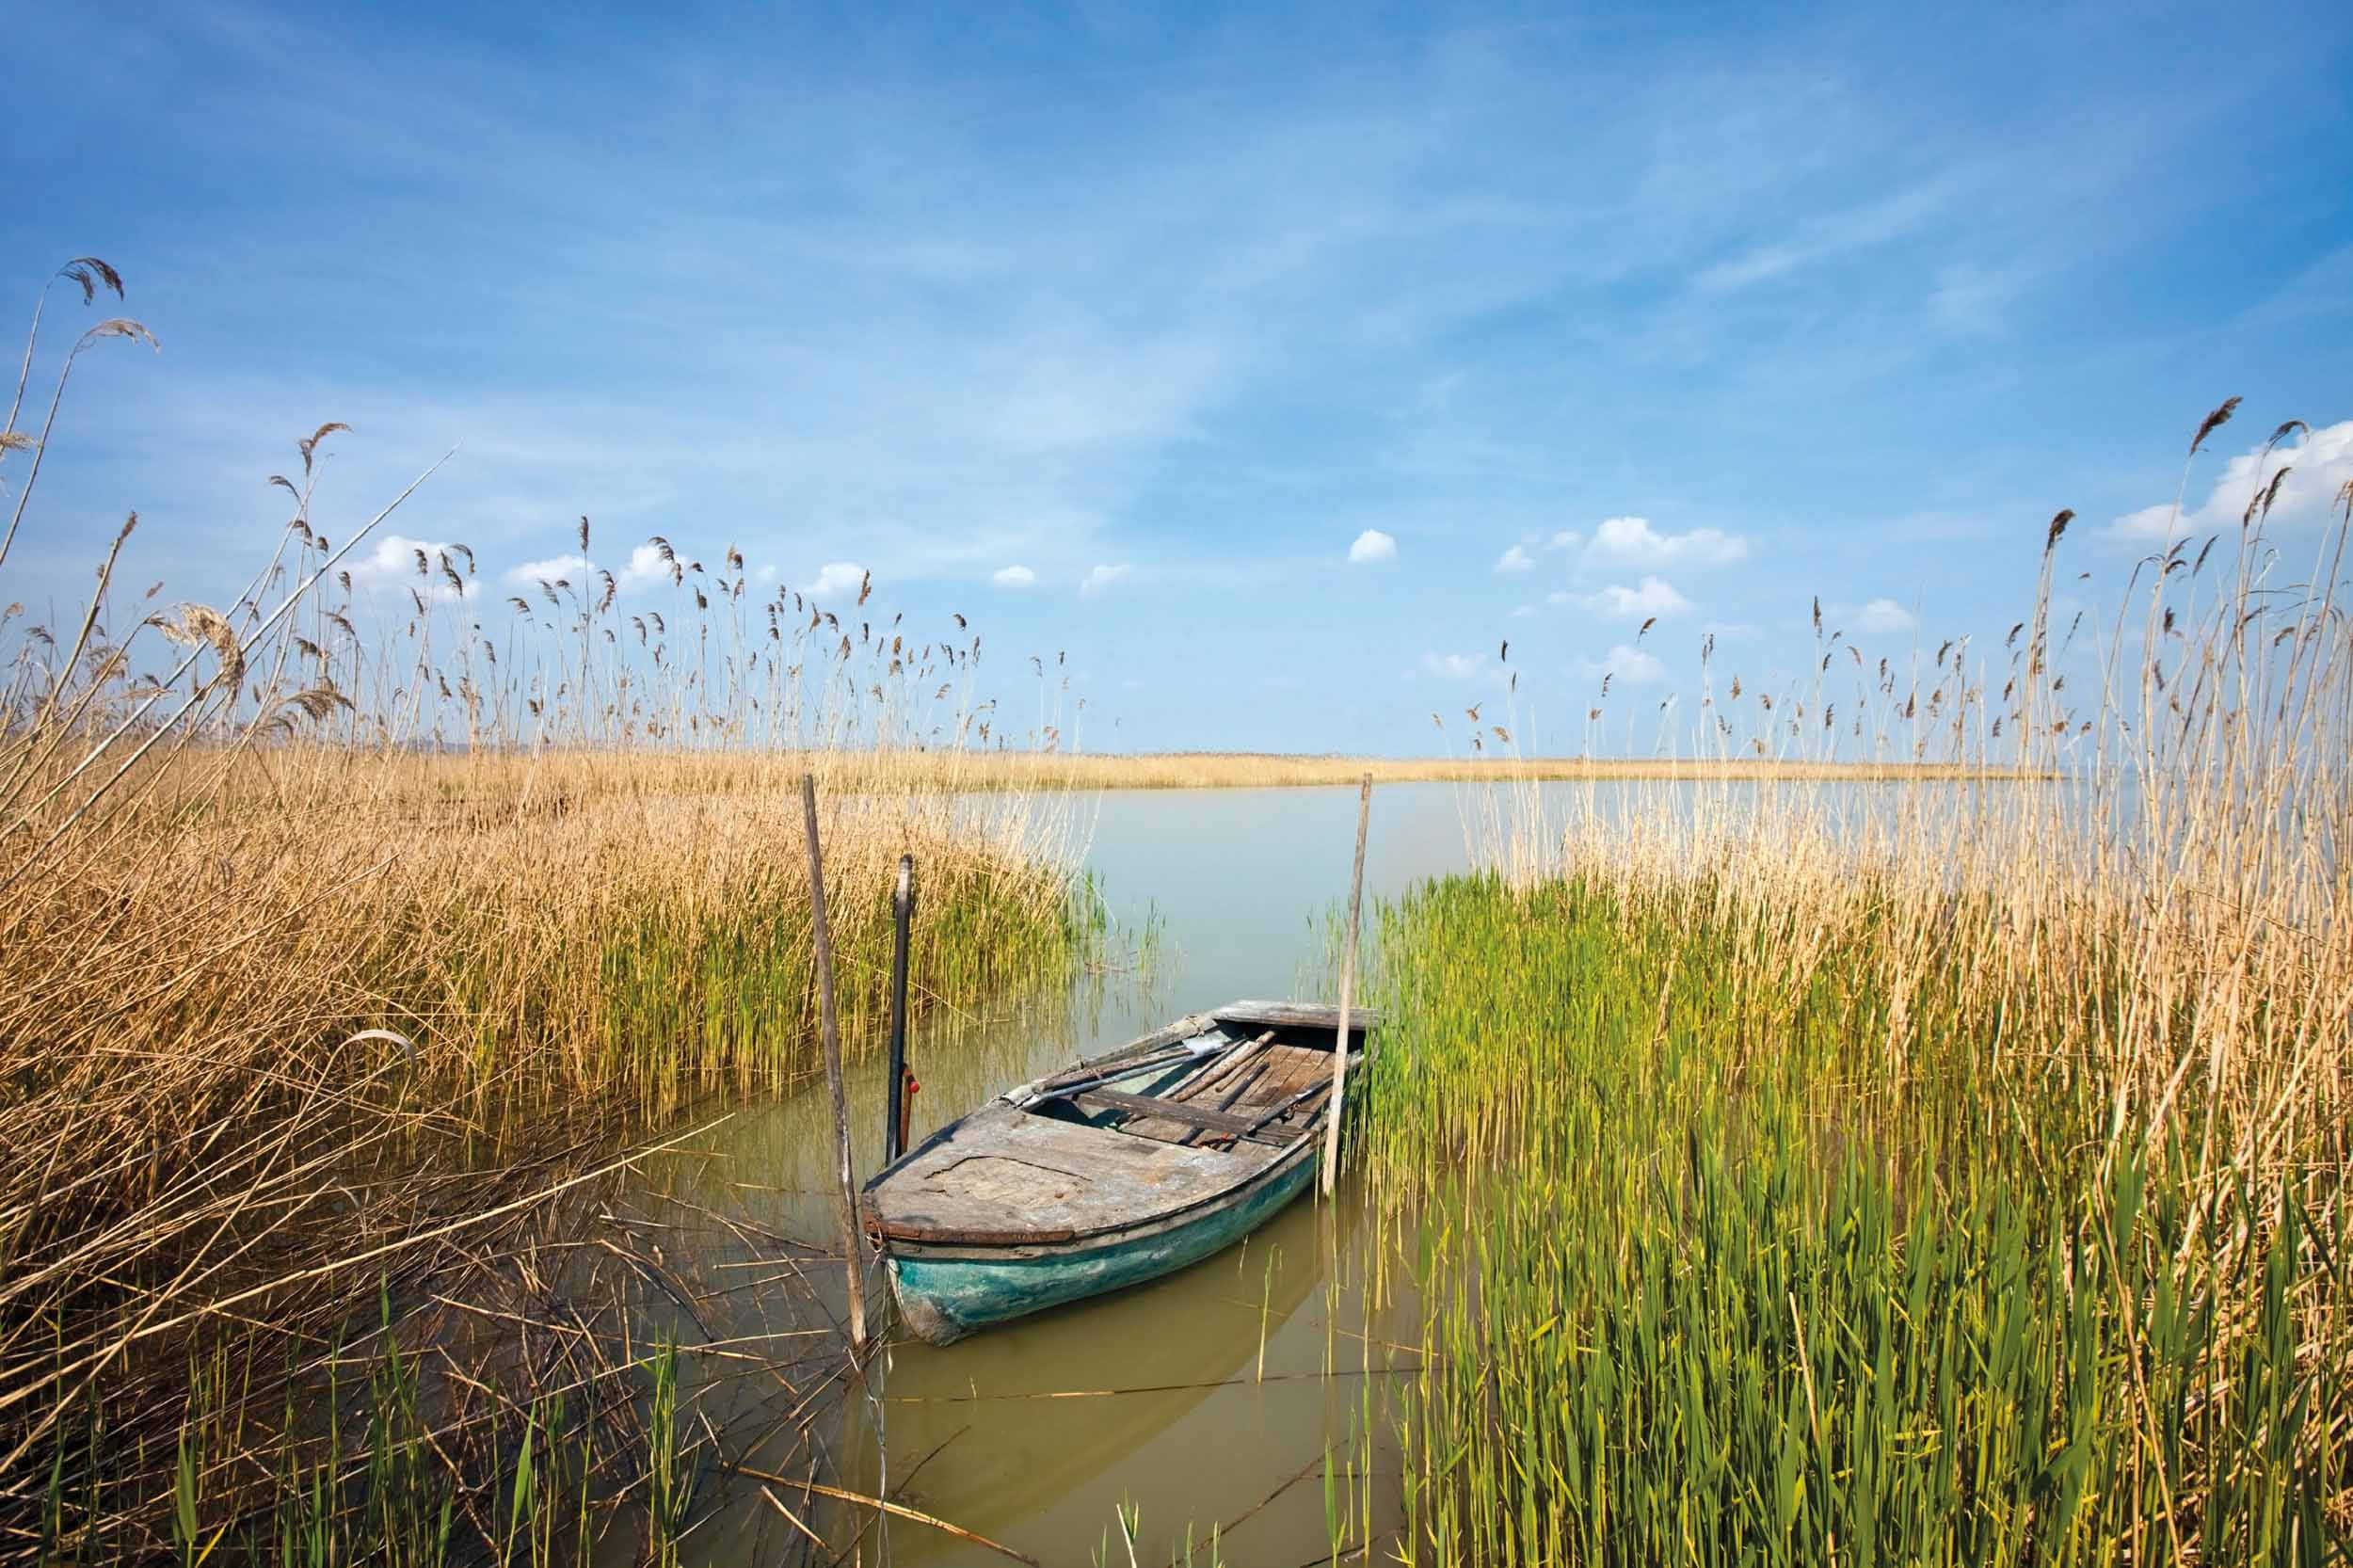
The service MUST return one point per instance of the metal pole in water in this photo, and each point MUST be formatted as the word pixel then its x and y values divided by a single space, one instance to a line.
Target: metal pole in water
pixel 895 1102
pixel 829 1029
pixel 1348 987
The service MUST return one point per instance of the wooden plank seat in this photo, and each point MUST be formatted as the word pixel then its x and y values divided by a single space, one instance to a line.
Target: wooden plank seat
pixel 1185 1114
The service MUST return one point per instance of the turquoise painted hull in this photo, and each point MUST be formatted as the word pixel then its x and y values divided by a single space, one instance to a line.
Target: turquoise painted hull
pixel 945 1298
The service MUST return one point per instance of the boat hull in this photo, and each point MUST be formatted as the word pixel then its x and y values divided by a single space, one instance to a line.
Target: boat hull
pixel 946 1293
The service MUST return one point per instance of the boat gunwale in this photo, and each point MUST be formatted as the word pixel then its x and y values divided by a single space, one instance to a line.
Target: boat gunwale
pixel 949 1244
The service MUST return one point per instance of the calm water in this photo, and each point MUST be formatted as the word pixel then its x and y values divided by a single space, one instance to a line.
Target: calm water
pixel 1193 1399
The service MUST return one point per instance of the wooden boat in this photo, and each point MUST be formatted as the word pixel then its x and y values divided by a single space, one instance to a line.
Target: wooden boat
pixel 1116 1171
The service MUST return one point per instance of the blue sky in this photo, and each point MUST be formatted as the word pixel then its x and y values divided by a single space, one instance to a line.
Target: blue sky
pixel 1695 312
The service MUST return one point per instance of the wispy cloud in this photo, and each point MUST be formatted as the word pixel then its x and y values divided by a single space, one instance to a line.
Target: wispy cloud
pixel 1829 236
pixel 1103 577
pixel 1516 559
pixel 1794 268
pixel 1013 577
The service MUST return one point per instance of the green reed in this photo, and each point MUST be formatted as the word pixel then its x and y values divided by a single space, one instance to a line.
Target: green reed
pixel 376 1472
pixel 1703 1276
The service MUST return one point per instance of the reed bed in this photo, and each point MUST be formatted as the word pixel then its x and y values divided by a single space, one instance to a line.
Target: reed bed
pixel 1934 1174
pixel 352 933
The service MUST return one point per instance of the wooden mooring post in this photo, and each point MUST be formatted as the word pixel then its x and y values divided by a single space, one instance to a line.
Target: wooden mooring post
pixel 1348 987
pixel 897 1102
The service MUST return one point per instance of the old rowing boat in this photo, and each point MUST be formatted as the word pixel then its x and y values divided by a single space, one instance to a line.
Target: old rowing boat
pixel 1116 1171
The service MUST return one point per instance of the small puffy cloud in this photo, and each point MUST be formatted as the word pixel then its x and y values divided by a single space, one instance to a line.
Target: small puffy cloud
pixel 2320 465
pixel 1454 667
pixel 836 580
pixel 1521 612
pixel 1516 559
pixel 1883 615
pixel 1633 542
pixel 1103 577
pixel 575 568
pixel 646 568
pixel 1653 596
pixel 1567 538
pixel 1013 577
pixel 1370 546
pixel 393 561
pixel 765 575
pixel 1628 665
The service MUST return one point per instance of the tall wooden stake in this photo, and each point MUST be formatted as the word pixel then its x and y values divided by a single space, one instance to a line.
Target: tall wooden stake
pixel 853 1249
pixel 895 1106
pixel 1347 988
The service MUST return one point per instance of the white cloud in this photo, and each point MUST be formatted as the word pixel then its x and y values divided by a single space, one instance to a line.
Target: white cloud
pixel 393 563
pixel 837 580
pixel 1103 577
pixel 1371 545
pixel 1013 577
pixel 1567 538
pixel 1559 596
pixel 1516 559
pixel 1521 612
pixel 646 568
pixel 1882 615
pixel 765 575
pixel 1628 665
pixel 1633 542
pixel 1455 666
pixel 575 568
pixel 1653 595
pixel 2150 525
pixel 2319 467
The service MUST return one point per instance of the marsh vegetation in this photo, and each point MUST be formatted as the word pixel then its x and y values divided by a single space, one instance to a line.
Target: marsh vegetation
pixel 1754 1169
pixel 1964 1183
pixel 348 941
